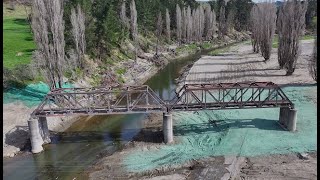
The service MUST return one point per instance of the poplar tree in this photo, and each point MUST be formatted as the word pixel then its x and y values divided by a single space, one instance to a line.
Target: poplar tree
pixel 179 23
pixel 159 30
pixel 291 21
pixel 77 19
pixel 267 20
pixel 134 26
pixel 168 32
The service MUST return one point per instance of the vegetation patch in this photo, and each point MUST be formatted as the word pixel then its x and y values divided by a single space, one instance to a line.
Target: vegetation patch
pixel 190 48
pixel 18 42
pixel 305 37
pixel 207 45
pixel 218 52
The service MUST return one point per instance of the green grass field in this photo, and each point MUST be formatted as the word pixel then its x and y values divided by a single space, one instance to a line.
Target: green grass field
pixel 18 43
pixel 305 37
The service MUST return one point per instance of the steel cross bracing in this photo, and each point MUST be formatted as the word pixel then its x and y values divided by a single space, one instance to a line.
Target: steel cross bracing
pixel 89 101
pixel 142 99
pixel 193 97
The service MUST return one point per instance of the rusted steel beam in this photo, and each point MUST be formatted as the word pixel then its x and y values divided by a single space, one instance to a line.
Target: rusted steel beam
pixel 142 99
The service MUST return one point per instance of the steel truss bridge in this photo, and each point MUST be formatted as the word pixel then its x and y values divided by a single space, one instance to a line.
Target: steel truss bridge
pixel 142 99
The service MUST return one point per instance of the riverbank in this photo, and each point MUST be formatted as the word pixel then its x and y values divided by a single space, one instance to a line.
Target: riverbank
pixel 16 114
pixel 201 151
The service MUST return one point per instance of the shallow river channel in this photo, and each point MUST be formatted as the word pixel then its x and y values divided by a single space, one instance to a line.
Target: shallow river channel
pixel 72 151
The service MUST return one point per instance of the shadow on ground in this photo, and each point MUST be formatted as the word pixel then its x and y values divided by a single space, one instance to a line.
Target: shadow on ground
pixel 19 138
pixel 222 125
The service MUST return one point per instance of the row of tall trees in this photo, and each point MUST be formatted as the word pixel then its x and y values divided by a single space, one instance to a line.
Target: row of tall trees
pixel 290 26
pixel 48 28
pixel 196 25
pixel 263 18
pixel 48 31
pixel 67 30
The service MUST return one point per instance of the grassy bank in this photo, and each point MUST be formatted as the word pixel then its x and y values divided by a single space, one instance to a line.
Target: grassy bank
pixel 17 38
pixel 305 37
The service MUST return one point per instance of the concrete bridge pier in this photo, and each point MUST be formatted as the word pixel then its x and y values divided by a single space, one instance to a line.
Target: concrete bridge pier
pixel 167 128
pixel 44 130
pixel 35 136
pixel 288 118
pixel 39 133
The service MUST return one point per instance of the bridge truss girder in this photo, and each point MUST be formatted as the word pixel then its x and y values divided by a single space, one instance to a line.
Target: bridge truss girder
pixel 90 101
pixel 193 97
pixel 142 99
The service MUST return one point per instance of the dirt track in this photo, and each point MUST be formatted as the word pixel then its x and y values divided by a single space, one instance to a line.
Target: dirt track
pixel 240 64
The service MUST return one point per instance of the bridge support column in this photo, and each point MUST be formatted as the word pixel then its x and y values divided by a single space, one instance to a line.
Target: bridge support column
pixel 292 120
pixel 44 130
pixel 283 116
pixel 167 128
pixel 35 136
pixel 288 118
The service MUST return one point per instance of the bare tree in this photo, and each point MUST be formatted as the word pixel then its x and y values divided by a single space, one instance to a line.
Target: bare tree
pixel 134 26
pixel 213 23
pixel 189 22
pixel 201 23
pixel 267 23
pixel 255 28
pixel 290 24
pixel 179 23
pixel 184 24
pixel 159 29
pixel 313 62
pixel 78 32
pixel 222 21
pixel 230 21
pixel 195 19
pixel 123 16
pixel 48 30
pixel 208 23
pixel 168 32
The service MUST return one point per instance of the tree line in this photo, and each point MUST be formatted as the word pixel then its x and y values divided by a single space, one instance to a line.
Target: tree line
pixel 65 31
pixel 290 22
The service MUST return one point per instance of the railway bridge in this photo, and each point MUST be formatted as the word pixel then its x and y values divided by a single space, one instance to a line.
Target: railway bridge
pixel 142 99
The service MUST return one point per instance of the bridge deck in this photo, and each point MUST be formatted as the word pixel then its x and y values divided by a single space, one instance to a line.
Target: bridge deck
pixel 142 99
